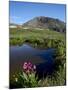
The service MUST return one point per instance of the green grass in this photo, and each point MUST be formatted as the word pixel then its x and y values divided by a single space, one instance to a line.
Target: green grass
pixel 34 37
pixel 56 79
pixel 36 34
pixel 45 39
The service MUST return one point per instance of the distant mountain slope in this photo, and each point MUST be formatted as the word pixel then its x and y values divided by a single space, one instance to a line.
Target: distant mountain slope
pixel 46 23
pixel 13 25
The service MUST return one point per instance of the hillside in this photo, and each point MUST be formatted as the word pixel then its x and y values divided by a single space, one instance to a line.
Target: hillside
pixel 46 23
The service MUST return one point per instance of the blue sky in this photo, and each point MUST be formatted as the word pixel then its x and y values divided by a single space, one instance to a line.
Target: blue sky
pixel 20 12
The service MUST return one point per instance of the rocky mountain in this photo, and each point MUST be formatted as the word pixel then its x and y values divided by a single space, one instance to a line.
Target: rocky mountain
pixel 43 22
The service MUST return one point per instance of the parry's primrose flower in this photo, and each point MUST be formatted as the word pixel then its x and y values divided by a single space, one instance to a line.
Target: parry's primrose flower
pixel 25 65
pixel 28 67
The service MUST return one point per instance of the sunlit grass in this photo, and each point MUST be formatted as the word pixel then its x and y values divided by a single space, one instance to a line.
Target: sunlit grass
pixel 20 36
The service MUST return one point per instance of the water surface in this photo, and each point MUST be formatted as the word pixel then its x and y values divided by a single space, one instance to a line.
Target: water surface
pixel 43 59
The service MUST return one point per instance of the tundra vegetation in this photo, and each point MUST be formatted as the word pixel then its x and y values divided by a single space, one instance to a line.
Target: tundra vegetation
pixel 41 39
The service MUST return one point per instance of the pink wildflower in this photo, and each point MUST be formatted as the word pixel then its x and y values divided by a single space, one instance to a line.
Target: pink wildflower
pixel 28 67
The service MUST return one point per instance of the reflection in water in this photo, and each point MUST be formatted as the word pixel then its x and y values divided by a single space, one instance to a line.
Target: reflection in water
pixel 42 58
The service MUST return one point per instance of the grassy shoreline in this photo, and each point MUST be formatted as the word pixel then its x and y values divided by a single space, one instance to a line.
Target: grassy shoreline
pixel 44 39
pixel 37 38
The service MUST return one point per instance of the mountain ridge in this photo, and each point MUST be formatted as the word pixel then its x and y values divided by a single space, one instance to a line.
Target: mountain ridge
pixel 46 23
